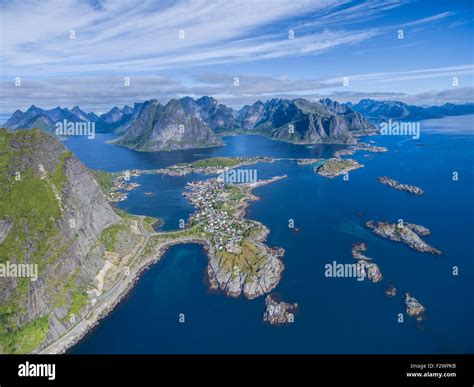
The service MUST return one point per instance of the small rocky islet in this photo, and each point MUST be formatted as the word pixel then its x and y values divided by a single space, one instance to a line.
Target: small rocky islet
pixel 399 186
pixel 369 270
pixel 391 291
pixel 357 249
pixel 414 307
pixel 278 313
pixel 373 273
pixel 404 232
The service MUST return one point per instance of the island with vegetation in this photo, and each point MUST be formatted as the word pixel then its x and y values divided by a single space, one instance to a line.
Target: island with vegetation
pixel 404 232
pixel 336 166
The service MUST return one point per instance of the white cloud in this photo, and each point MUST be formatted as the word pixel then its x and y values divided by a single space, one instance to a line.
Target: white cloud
pixel 139 38
pixel 100 94
pixel 397 76
pixel 144 34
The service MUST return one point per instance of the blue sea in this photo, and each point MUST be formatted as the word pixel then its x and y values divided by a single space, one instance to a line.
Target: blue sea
pixel 335 315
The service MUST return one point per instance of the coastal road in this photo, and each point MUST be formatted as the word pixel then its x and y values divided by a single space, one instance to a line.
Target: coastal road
pixel 104 301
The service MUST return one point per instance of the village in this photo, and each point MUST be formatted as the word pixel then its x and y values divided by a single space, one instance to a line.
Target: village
pixel 215 166
pixel 224 229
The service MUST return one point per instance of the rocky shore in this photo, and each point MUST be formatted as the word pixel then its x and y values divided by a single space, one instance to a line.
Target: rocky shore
pixel 404 232
pixel 401 187
pixel 253 271
pixel 278 313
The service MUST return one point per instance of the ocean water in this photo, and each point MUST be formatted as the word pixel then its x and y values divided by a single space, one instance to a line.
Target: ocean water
pixel 336 315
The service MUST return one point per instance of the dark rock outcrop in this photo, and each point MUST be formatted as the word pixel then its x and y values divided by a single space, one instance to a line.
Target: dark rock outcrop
pixel 278 312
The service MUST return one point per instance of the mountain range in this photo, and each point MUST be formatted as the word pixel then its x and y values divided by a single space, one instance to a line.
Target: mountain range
pixel 36 117
pixel 396 110
pixel 193 123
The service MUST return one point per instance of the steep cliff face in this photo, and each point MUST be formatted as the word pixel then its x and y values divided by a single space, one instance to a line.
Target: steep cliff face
pixel 249 116
pixel 355 121
pixel 215 115
pixel 52 214
pixel 168 127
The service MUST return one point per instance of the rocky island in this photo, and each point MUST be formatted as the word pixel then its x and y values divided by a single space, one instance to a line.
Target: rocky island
pixel 404 232
pixel 401 187
pixel 278 312
pixel 371 271
pixel 414 308
pixel 368 270
pixel 336 166
pixel 362 147
pixel 391 291
pixel 357 249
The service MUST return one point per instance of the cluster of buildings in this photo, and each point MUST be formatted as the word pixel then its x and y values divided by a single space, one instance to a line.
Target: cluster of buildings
pixel 209 197
pixel 122 185
pixel 184 169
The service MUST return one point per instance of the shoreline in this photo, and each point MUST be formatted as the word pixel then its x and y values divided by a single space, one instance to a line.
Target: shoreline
pixel 62 344
pixel 95 315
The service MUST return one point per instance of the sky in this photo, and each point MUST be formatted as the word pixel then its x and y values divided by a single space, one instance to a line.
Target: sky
pixel 99 54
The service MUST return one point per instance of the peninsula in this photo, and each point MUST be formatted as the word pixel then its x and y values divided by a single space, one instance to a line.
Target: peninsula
pixel 239 261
